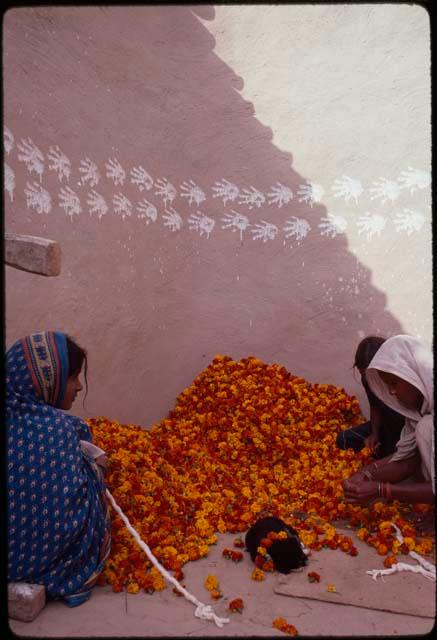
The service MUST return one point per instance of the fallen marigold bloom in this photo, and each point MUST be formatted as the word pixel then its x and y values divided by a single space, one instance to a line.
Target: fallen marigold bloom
pixel 236 605
pixel 313 576
pixel 211 582
pixel 257 574
pixel 389 561
pixel 235 556
pixel 331 588
pixel 284 626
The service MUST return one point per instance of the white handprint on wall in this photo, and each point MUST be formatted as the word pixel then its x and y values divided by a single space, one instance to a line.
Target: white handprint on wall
pixel 139 176
pixel 202 223
pixel 332 225
pixel 70 202
pixel 297 228
pixel 59 163
pixel 225 190
pixel 414 179
pixel 190 190
pixel 252 197
pixel 409 221
pixel 385 190
pixel 31 156
pixel 37 198
pixel 310 192
pixel 115 171
pixel 371 224
pixel 166 190
pixel 147 210
pixel 122 205
pixel 280 195
pixel 172 219
pixel 97 204
pixel 235 221
pixel 90 172
pixel 8 140
pixel 9 181
pixel 264 231
pixel 347 188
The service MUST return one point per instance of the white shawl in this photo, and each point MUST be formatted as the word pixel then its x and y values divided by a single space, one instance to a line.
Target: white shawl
pixel 410 359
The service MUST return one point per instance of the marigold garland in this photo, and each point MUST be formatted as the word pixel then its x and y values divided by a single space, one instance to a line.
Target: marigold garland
pixel 245 438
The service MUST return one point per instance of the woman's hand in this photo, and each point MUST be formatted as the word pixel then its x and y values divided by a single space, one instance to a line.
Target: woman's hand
pixel 372 442
pixel 360 491
pixel 358 476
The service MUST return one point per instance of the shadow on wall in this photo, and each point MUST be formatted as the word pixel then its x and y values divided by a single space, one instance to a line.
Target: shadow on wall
pixel 143 86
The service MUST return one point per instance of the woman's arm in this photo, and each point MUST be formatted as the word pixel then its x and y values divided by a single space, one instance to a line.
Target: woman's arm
pixel 372 441
pixel 380 480
pixel 368 470
pixel 388 471
pixel 368 491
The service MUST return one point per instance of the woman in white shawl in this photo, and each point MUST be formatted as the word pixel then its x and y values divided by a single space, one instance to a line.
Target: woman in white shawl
pixel 401 375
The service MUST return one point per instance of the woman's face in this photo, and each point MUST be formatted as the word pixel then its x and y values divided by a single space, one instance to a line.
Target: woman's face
pixel 72 389
pixel 407 394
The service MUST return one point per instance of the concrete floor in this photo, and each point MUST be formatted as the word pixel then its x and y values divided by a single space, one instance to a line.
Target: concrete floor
pixel 163 614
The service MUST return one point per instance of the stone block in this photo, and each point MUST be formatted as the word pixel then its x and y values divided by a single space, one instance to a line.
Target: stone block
pixel 34 254
pixel 25 601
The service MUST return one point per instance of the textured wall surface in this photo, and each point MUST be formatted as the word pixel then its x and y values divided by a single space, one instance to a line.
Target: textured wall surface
pixel 247 180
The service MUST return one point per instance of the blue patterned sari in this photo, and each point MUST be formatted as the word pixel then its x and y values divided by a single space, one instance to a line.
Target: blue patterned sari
pixel 58 519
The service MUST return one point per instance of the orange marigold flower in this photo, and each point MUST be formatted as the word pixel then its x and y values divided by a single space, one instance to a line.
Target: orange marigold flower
pixel 211 582
pixel 239 543
pixel 284 626
pixel 313 576
pixel 389 561
pixel 268 566
pixel 258 575
pixel 236 605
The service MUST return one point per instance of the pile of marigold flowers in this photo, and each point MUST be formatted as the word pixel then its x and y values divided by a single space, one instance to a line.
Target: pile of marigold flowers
pixel 246 439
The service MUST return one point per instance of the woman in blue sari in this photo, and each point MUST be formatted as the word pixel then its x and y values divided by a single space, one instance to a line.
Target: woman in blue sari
pixel 58 519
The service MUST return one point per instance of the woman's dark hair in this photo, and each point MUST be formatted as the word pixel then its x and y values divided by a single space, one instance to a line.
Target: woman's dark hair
pixel 366 350
pixel 76 357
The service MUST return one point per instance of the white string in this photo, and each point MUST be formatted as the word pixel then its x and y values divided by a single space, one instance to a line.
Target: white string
pixel 202 610
pixel 424 567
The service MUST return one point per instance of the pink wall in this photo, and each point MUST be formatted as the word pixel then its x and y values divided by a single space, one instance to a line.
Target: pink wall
pixel 142 86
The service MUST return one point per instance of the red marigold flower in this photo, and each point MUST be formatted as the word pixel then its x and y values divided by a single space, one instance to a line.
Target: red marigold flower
pixel 239 543
pixel 236 605
pixel 389 561
pixel 313 576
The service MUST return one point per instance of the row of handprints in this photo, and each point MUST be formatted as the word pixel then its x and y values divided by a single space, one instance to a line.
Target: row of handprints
pixel 349 189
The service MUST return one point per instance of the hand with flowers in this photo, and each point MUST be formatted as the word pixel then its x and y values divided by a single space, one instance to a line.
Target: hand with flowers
pixel 372 442
pixel 361 491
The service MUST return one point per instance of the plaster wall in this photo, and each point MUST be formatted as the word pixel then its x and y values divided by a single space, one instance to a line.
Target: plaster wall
pixel 237 179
